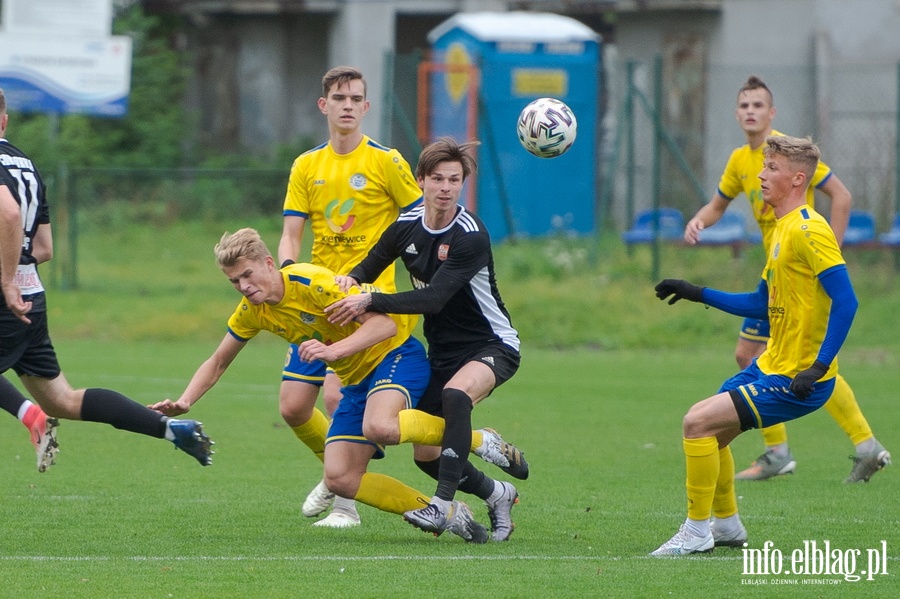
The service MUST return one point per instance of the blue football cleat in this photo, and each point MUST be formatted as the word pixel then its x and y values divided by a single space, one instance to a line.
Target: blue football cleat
pixel 190 438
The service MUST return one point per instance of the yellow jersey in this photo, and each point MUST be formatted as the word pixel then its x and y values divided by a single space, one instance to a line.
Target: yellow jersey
pixel 742 175
pixel 300 316
pixel 349 200
pixel 803 246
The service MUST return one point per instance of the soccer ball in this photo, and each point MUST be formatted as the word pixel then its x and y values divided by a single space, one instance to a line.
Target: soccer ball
pixel 547 127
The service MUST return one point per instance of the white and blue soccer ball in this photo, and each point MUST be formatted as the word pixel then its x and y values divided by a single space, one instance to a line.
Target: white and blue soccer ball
pixel 547 127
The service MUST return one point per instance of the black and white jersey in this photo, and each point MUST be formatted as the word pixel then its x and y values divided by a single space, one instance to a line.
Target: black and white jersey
pixel 20 176
pixel 452 271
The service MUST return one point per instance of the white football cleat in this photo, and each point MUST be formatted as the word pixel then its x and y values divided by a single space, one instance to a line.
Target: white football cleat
pixel 318 500
pixel 338 520
pixel 685 543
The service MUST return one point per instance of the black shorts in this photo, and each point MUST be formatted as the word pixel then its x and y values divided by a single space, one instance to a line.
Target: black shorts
pixel 26 348
pixel 499 357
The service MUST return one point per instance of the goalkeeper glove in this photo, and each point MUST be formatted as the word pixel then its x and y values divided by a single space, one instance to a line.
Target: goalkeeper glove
pixel 802 385
pixel 678 289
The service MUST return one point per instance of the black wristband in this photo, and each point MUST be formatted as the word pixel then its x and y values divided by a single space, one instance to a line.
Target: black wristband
pixel 287 262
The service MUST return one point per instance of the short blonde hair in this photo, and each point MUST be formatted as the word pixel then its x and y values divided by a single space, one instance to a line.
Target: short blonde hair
pixel 243 243
pixel 801 152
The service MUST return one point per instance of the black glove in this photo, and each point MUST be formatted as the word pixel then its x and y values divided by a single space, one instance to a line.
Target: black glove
pixel 678 289
pixel 802 385
pixel 287 262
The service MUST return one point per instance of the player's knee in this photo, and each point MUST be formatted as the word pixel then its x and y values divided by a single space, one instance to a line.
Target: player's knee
pixel 344 483
pixel 296 403
pixel 743 359
pixel 295 415
pixel 746 351
pixel 382 431
pixel 693 425
pixel 331 400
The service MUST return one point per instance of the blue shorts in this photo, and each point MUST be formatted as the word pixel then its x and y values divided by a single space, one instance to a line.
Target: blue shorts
pixel 406 369
pixel 296 369
pixel 755 330
pixel 762 399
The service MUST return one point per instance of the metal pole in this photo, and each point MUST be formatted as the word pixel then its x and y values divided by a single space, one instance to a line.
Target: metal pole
pixel 897 163
pixel 630 68
pixel 387 104
pixel 657 155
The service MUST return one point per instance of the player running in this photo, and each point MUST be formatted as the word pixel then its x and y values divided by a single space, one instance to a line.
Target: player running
pixel 25 239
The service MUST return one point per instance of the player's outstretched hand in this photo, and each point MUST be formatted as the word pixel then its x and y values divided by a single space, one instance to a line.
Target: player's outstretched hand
pixel 169 407
pixel 802 385
pixel 678 289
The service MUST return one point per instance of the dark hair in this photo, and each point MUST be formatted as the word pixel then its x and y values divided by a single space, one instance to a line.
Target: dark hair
pixel 337 76
pixel 446 149
pixel 754 82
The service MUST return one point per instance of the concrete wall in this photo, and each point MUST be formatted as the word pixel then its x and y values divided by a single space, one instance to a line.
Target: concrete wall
pixel 832 66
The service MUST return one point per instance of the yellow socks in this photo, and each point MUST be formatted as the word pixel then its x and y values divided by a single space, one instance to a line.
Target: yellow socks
pixel 775 434
pixel 389 494
pixel 702 465
pixel 725 499
pixel 424 429
pixel 313 433
pixel 420 428
pixel 843 408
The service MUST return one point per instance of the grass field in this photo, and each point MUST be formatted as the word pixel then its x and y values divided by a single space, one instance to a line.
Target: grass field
pixel 607 374
pixel 128 516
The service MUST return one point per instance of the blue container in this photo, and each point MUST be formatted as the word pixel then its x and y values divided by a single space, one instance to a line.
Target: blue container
pixel 519 57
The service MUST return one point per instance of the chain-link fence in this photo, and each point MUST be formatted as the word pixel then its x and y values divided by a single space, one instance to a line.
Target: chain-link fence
pixel 97 201
pixel 850 110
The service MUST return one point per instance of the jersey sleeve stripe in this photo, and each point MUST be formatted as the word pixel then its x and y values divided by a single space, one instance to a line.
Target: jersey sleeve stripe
pixel 238 337
pixel 724 195
pixel 823 181
pixel 296 213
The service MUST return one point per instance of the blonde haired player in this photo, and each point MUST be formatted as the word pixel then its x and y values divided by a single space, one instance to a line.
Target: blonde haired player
pixel 806 292
pixel 755 111
pixel 383 369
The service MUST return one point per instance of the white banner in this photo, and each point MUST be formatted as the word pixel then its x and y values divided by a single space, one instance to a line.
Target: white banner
pixel 66 75
pixel 90 18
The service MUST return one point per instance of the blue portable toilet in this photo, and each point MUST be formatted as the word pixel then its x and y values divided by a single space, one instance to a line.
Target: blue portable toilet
pixel 485 68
